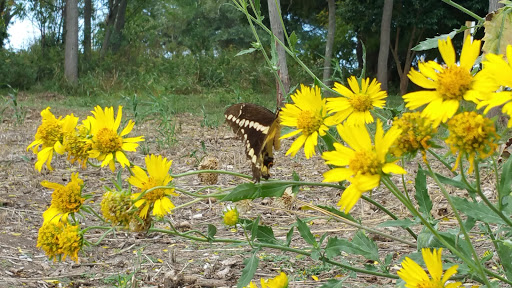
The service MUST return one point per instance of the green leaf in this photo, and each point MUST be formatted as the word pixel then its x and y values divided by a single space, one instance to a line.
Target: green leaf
pixel 422 192
pixel 253 191
pixel 335 246
pixel 241 192
pixel 269 189
pixel 257 8
pixel 505 179
pixel 333 283
pixel 360 245
pixel 266 235
pixel 504 251
pixel 338 212
pixel 289 236
pixel 246 51
pixel 431 43
pixel 455 182
pixel 254 228
pixel 306 233
pixel 477 210
pixel 212 230
pixel 251 264
pixel 405 223
pixel 295 188
pixel 365 246
pixel 293 41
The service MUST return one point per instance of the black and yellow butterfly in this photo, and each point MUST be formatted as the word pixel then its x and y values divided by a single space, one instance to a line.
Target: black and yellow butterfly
pixel 260 131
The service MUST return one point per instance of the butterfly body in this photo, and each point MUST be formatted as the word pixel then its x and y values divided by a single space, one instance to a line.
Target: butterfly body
pixel 260 131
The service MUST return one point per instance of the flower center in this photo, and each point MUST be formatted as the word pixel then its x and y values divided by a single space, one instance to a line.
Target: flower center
pixel 308 122
pixel 155 194
pixel 365 162
pixel 68 198
pixel 453 82
pixel 107 141
pixel 361 102
pixel 50 132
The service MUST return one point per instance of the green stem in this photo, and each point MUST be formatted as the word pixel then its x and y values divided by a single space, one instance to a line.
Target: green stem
pixel 277 247
pixel 89 209
pixel 391 186
pixel 496 174
pixel 477 263
pixel 465 10
pixel 357 225
pixel 389 213
pixel 291 53
pixel 486 201
pixel 442 161
pixel 470 189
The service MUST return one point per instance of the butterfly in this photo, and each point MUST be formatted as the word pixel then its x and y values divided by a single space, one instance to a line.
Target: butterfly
pixel 260 130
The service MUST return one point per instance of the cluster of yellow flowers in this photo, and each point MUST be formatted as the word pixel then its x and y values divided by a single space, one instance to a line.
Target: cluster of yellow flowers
pixel 98 137
pixel 280 281
pixel 362 162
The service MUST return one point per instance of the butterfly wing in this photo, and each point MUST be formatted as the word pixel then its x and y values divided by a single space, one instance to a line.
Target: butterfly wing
pixel 260 131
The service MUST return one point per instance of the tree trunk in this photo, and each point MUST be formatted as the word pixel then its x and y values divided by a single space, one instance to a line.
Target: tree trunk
pixel 495 5
pixel 496 111
pixel 277 29
pixel 119 25
pixel 6 15
pixel 87 29
pixel 330 42
pixel 385 31
pixel 111 18
pixel 71 46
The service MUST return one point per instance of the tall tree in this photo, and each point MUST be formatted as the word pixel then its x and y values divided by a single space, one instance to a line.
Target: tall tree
pixel 115 21
pixel 385 35
pixel 71 43
pixel 330 42
pixel 119 26
pixel 274 7
pixel 8 9
pixel 87 29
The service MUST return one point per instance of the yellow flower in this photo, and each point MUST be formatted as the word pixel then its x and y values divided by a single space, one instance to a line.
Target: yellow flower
pixel 115 207
pixel 415 277
pixel 416 134
pixel 65 199
pixel 49 136
pixel 158 170
pixel 230 216
pixel 308 114
pixel 59 239
pixel 448 84
pixel 497 72
pixel 76 144
pixel 359 102
pixel 107 144
pixel 280 281
pixel 363 163
pixel 471 133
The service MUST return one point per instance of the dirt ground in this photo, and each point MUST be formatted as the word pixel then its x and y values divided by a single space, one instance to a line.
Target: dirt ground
pixel 156 260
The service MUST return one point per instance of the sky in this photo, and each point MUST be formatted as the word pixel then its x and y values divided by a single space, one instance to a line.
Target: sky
pixel 21 34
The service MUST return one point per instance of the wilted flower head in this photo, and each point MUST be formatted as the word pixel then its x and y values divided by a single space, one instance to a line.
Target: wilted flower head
pixel 471 133
pixel 60 239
